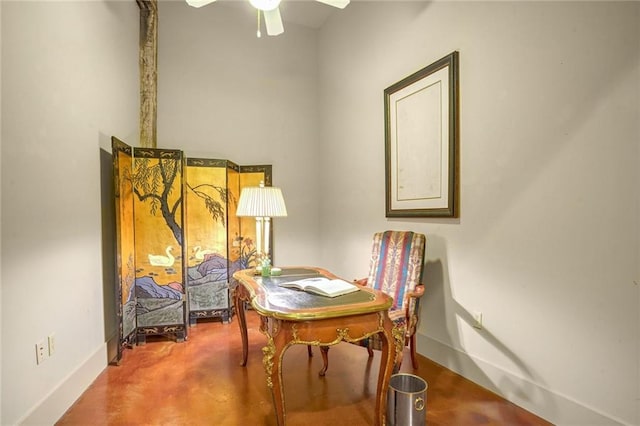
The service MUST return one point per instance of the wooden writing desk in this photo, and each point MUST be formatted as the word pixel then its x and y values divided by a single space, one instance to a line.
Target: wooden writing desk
pixel 290 317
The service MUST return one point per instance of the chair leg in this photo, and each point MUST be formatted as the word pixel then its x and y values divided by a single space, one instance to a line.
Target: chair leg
pixel 412 348
pixel 324 350
pixel 309 351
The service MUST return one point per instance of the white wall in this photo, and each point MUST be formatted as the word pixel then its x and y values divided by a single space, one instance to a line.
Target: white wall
pixel 69 81
pixel 547 245
pixel 0 216
pixel 224 93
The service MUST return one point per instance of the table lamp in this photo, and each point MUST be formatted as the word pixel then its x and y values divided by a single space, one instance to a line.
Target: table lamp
pixel 263 203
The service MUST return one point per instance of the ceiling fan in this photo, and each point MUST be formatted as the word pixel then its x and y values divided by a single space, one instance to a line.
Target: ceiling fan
pixel 271 12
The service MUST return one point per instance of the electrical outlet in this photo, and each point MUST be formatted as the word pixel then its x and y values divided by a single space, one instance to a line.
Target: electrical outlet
pixel 52 344
pixel 41 352
pixel 477 320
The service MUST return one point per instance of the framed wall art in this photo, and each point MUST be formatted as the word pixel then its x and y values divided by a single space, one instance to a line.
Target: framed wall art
pixel 421 142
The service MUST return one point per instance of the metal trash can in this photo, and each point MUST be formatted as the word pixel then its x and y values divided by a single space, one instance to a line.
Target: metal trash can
pixel 406 401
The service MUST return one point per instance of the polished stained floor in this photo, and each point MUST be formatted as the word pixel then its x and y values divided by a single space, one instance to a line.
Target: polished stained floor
pixel 200 382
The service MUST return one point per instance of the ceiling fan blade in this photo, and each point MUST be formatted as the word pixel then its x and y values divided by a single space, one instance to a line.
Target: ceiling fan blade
pixel 273 22
pixel 335 3
pixel 199 3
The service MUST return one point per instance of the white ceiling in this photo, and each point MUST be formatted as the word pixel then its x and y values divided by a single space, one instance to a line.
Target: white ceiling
pixel 309 13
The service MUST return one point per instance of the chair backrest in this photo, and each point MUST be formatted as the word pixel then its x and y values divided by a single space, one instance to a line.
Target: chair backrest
pixel 396 264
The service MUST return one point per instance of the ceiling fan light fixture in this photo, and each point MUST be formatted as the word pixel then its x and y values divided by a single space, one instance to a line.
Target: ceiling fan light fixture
pixel 265 5
pixel 199 3
pixel 271 12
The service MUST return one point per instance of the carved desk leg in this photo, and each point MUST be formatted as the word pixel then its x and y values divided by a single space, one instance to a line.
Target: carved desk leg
pixel 240 296
pixel 277 342
pixel 387 365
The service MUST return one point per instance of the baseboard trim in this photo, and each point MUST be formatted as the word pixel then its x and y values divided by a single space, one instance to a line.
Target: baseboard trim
pixel 551 406
pixel 49 410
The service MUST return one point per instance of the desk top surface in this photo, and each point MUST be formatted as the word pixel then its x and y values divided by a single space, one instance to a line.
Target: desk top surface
pixel 270 299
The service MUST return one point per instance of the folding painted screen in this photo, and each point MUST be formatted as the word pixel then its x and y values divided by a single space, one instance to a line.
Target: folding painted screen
pixel 251 176
pixel 216 247
pixel 125 245
pixel 212 191
pixel 157 181
pixel 178 239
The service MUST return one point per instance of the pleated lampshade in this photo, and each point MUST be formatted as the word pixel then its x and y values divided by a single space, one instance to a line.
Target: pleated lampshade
pixel 261 201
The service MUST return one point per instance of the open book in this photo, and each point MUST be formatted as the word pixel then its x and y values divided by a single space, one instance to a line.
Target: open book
pixel 322 286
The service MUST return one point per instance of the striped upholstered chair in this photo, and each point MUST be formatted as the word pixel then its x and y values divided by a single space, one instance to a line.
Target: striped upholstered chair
pixel 396 266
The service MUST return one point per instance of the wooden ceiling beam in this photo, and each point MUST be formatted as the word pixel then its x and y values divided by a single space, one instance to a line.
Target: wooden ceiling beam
pixel 148 60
